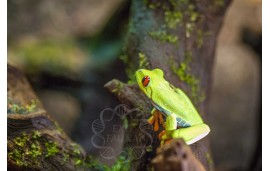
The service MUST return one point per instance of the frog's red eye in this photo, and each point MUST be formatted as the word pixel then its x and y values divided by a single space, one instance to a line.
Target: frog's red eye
pixel 145 81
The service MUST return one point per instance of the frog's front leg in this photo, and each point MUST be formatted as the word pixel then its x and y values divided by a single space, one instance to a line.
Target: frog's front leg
pixel 156 119
pixel 170 127
pixel 191 134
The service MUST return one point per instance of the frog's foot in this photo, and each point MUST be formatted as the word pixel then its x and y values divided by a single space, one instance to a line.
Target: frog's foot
pixel 165 135
pixel 156 119
pixel 165 141
pixel 168 141
pixel 161 134
pixel 192 134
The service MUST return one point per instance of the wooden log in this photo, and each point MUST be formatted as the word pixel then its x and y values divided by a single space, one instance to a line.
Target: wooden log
pixel 35 141
pixel 176 156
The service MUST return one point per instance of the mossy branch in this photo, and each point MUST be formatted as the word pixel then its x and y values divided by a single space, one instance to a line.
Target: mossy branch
pixel 35 141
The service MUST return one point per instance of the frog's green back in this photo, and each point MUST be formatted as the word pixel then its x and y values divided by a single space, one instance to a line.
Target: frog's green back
pixel 177 102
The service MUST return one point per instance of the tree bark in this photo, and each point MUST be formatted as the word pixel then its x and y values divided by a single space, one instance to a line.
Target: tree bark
pixel 178 37
pixel 35 141
pixel 176 156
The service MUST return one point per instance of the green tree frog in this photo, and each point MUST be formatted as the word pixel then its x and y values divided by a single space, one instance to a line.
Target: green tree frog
pixel 181 118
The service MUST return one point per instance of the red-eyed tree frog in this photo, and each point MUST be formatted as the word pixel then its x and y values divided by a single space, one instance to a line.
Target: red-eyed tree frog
pixel 181 118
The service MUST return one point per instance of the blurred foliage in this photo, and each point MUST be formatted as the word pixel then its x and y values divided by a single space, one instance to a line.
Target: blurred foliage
pixel 70 55
pixel 58 57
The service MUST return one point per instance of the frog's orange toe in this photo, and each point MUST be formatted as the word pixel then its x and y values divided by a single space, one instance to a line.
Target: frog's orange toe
pixel 168 141
pixel 156 119
pixel 151 120
pixel 156 127
pixel 156 124
pixel 161 134
pixel 161 120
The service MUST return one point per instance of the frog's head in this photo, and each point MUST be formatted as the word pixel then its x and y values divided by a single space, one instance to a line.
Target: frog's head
pixel 148 80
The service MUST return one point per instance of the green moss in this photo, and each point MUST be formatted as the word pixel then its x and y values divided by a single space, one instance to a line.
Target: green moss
pixel 194 16
pixel 191 15
pixel 154 5
pixel 124 58
pixel 173 18
pixel 125 123
pixel 183 72
pixel 122 163
pixel 219 3
pixel 143 60
pixel 78 162
pixel 149 148
pixel 134 123
pixel 51 148
pixel 76 149
pixel 21 141
pixel 164 36
pixel 14 108
pixel 177 13
pixel 36 150
pixel 27 151
pixel 94 164
pixel 36 134
pixel 65 158
pixel 118 87
pixel 16 156
pixel 189 28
